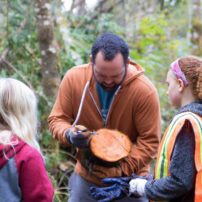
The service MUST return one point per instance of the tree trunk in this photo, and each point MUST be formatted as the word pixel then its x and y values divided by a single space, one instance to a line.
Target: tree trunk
pixel 50 75
pixel 79 6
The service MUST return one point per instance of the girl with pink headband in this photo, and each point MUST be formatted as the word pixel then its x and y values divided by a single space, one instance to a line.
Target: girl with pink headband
pixel 178 170
pixel 178 72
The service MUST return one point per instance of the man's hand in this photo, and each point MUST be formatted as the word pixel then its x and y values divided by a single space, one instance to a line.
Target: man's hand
pixel 79 136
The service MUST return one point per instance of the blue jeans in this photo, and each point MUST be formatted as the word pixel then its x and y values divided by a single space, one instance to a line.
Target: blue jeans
pixel 79 191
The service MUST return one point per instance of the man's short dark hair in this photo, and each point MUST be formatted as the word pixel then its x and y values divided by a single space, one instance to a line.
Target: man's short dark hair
pixel 110 44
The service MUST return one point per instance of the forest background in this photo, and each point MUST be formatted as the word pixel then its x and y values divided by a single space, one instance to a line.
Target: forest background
pixel 41 39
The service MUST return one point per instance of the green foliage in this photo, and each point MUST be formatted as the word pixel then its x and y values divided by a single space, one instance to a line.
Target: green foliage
pixel 159 39
pixel 157 45
pixel 79 36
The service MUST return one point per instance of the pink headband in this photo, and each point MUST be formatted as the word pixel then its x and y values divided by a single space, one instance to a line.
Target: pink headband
pixel 178 72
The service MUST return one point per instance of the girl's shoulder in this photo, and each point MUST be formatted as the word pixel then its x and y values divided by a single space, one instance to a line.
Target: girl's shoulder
pixel 187 116
pixel 28 153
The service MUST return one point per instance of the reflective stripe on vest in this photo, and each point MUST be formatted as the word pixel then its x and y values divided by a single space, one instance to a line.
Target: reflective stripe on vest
pixel 167 145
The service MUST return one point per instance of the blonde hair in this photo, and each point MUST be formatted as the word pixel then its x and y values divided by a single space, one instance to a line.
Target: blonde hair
pixel 192 68
pixel 18 111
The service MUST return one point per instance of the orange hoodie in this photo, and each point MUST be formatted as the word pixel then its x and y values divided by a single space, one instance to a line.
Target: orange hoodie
pixel 134 111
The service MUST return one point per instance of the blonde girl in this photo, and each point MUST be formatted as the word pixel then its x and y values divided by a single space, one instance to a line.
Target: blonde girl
pixel 23 175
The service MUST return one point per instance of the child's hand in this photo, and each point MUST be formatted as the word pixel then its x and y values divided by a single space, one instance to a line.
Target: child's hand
pixel 137 186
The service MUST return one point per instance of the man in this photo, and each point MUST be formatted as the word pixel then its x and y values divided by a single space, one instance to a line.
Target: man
pixel 110 92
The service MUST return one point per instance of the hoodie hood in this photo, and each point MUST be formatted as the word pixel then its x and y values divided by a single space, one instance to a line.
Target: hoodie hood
pixel 134 70
pixel 194 107
pixel 9 151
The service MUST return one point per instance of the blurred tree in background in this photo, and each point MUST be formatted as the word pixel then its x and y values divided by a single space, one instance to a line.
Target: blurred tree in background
pixel 41 39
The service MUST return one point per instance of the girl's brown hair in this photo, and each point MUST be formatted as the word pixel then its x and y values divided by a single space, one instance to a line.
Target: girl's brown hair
pixel 192 68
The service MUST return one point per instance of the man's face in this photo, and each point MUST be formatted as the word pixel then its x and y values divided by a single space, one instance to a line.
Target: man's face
pixel 109 74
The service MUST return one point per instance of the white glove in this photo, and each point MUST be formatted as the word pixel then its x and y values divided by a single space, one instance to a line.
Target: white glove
pixel 137 186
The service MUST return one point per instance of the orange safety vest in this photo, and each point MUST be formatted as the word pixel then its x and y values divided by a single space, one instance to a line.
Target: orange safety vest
pixel 167 145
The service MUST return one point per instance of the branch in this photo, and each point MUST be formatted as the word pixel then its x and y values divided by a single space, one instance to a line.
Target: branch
pixel 26 81
pixel 100 8
pixel 3 55
pixel 18 72
pixel 97 12
pixel 29 51
pixel 22 25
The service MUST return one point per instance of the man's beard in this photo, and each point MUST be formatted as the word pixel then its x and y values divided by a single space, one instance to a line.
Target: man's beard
pixel 110 87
